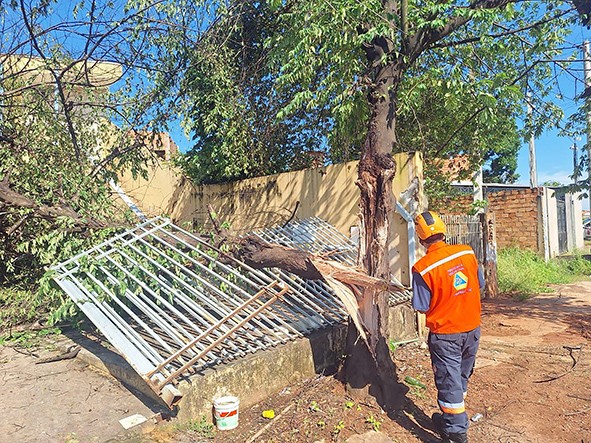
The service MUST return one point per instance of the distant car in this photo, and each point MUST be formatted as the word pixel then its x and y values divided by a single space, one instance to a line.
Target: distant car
pixel 587 230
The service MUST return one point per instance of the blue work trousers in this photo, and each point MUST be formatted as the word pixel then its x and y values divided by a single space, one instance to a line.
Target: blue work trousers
pixel 453 357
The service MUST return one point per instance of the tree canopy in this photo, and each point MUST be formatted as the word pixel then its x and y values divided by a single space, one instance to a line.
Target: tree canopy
pixel 69 124
pixel 277 86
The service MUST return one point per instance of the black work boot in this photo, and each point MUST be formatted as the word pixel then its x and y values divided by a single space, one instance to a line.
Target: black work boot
pixel 439 424
pixel 456 438
pixel 437 420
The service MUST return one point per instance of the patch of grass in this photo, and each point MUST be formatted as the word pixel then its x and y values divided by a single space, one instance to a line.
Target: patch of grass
pixel 576 265
pixel 17 306
pixel 523 273
pixel 27 339
pixel 29 302
pixel 375 423
pixel 201 428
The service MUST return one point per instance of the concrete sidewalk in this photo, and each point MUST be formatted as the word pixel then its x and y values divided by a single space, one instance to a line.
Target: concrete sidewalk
pixel 62 401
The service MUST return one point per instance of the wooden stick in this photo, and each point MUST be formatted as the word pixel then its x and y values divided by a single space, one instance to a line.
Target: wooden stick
pixel 268 425
pixel 572 368
pixel 72 353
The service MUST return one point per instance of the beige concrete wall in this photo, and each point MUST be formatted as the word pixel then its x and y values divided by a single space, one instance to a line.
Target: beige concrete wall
pixel 160 193
pixel 328 192
pixel 33 71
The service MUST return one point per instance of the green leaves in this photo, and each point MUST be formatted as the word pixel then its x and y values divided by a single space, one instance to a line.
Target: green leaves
pixel 261 87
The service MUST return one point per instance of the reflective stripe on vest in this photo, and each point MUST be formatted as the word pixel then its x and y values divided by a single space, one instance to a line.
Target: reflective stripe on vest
pixel 445 260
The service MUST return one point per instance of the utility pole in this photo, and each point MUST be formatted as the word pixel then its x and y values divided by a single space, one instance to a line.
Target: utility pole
pixel 587 69
pixel 575 162
pixel 533 175
pixel 477 193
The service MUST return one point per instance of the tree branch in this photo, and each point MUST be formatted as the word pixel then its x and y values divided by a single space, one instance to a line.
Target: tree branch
pixel 12 198
pixel 502 34
pixel 58 83
pixel 425 38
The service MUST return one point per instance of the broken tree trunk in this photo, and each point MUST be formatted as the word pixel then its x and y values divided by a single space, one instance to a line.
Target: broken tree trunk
pixel 372 371
pixel 259 254
pixel 347 282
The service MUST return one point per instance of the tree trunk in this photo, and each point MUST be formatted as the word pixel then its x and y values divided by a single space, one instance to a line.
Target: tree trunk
pixel 371 371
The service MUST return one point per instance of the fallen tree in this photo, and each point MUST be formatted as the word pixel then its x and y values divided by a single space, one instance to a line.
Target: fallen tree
pixel 348 282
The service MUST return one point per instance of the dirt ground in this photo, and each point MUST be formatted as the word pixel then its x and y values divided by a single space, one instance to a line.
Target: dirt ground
pixel 532 384
pixel 64 401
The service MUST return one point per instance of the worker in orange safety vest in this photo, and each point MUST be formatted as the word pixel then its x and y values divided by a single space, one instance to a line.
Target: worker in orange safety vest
pixel 446 287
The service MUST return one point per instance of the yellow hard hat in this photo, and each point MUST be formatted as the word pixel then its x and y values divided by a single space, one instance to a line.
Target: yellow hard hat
pixel 429 223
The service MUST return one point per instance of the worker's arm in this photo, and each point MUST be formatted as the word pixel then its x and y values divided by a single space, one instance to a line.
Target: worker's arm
pixel 421 298
pixel 481 277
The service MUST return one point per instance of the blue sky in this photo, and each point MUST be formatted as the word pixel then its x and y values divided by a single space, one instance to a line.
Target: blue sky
pixel 554 153
pixel 554 158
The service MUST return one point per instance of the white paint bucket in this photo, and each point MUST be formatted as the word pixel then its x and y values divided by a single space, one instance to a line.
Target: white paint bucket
pixel 225 412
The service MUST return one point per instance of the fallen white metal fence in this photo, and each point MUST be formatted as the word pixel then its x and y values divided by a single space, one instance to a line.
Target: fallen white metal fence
pixel 172 304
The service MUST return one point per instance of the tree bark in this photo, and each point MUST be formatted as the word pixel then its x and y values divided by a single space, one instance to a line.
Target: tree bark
pixel 260 254
pixel 371 371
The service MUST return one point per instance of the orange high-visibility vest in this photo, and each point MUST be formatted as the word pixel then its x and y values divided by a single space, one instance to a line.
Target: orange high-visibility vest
pixel 451 273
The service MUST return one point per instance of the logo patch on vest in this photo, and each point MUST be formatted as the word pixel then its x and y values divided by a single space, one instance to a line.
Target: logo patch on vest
pixel 460 281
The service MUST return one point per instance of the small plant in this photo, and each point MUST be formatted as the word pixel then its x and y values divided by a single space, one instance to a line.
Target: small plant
pixel 374 422
pixel 202 428
pixel 321 424
pixel 393 346
pixel 349 404
pixel 418 387
pixel 338 427
pixel 414 382
pixel 314 406
pixel 477 207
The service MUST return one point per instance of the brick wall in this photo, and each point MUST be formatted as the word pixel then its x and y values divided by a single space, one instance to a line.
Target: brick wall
pixel 516 214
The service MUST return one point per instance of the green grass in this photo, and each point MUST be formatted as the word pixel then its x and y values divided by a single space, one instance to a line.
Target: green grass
pixel 19 309
pixel 201 428
pixel 523 273
pixel 17 306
